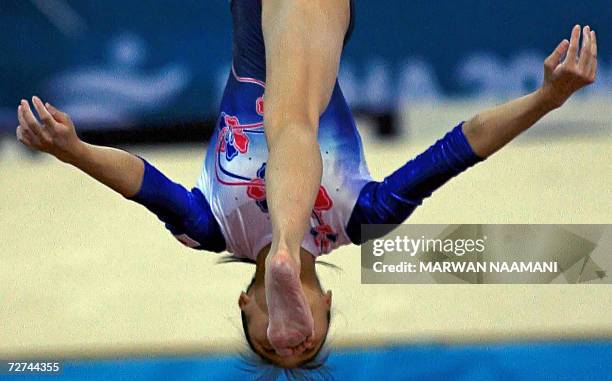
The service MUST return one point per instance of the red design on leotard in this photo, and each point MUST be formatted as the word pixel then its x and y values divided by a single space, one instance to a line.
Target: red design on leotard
pixel 257 191
pixel 323 201
pixel 259 105
pixel 233 138
pixel 323 236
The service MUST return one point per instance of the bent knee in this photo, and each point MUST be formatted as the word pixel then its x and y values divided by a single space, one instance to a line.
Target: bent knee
pixel 299 131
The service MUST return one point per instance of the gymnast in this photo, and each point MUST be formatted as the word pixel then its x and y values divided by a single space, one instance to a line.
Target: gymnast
pixel 285 181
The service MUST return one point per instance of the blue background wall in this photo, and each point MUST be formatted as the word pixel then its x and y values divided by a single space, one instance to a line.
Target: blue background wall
pixel 117 63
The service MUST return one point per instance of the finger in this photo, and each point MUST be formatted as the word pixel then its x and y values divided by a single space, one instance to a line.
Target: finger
pixel 43 113
pixel 553 60
pixel 29 118
pixel 59 116
pixel 586 36
pixel 29 135
pixel 572 51
pixel 585 53
pixel 593 71
pixel 23 138
pixel 23 123
pixel 593 68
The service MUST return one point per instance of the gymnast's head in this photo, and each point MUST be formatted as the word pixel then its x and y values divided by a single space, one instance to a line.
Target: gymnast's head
pixel 255 320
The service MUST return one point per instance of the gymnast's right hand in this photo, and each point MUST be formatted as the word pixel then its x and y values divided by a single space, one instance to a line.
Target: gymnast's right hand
pixel 54 134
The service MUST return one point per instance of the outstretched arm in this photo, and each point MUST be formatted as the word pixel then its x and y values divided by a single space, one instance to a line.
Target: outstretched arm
pixel 56 135
pixel 186 214
pixel 392 200
pixel 490 130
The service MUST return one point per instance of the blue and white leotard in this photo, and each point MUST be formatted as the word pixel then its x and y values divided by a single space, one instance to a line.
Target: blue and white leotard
pixel 227 210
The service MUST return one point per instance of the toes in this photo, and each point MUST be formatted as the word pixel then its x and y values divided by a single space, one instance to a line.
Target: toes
pixel 299 349
pixel 309 342
pixel 285 352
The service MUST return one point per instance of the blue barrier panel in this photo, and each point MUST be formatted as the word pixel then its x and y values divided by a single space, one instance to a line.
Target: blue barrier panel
pixel 573 361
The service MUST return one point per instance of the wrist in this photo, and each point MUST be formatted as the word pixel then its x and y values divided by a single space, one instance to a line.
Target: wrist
pixel 74 154
pixel 549 99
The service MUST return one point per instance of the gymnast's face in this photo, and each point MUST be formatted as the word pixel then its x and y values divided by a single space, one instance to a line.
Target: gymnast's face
pixel 255 321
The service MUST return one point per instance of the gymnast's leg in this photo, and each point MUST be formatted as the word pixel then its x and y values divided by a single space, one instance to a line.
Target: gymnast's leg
pixel 301 71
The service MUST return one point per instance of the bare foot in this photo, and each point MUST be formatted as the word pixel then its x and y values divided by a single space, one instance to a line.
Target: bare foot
pixel 291 327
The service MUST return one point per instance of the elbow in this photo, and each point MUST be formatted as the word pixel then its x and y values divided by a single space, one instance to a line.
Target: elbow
pixel 472 129
pixel 476 136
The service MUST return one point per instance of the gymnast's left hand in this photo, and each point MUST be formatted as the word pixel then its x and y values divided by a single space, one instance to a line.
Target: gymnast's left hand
pixel 55 134
pixel 562 78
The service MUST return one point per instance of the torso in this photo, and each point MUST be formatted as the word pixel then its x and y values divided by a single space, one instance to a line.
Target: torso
pixel 233 175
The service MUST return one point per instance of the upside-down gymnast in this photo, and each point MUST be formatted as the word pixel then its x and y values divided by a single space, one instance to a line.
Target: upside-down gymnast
pixel 283 186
